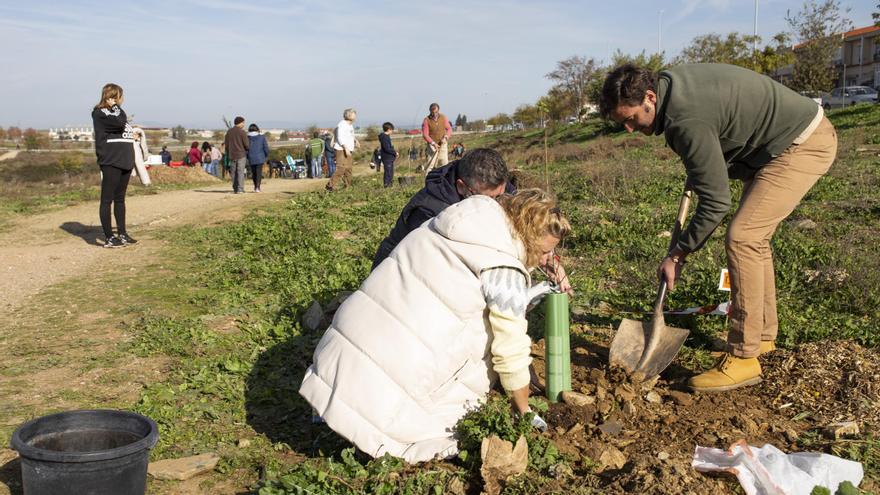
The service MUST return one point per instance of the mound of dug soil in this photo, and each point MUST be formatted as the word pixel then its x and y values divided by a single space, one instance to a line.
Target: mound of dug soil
pixel 642 435
pixel 180 175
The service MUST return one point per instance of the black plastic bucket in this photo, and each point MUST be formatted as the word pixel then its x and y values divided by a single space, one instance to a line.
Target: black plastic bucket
pixel 90 452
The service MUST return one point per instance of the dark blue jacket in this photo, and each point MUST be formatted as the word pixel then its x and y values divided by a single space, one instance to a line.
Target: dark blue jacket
pixel 386 149
pixel 258 150
pixel 329 151
pixel 438 193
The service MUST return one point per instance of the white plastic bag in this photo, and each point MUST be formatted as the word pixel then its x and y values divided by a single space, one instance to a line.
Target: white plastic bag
pixel 769 471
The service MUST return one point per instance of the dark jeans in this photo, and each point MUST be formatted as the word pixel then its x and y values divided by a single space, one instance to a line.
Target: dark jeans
pixel 113 186
pixel 389 172
pixel 257 174
pixel 331 164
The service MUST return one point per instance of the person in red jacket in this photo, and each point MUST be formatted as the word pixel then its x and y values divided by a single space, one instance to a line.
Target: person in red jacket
pixel 194 155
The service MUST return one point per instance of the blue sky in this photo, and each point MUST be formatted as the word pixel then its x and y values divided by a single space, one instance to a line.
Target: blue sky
pixel 301 62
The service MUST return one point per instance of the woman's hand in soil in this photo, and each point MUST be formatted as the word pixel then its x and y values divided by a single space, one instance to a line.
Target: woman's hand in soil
pixel 519 400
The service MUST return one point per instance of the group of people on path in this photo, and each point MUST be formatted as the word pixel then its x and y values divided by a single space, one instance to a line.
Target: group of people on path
pixel 245 149
pixel 458 262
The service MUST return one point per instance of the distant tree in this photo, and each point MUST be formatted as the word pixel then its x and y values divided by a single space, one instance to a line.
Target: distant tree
pixel 876 15
pixel 818 28
pixel 179 133
pixel 33 139
pixel 464 121
pixel 527 115
pixel 13 133
pixel 557 104
pixel 572 77
pixel 773 57
pixel 284 136
pixel 219 135
pixel 458 121
pixel 476 125
pixel 655 61
pixel 2 134
pixel 500 119
pixel 373 132
pixel 734 49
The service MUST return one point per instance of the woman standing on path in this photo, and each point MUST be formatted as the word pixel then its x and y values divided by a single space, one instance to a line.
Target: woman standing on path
pixel 258 153
pixel 113 147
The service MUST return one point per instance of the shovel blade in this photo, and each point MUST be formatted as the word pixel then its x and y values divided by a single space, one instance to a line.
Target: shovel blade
pixel 646 348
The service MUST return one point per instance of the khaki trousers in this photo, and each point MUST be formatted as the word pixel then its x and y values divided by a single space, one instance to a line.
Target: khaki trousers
pixel 767 199
pixel 343 170
pixel 437 161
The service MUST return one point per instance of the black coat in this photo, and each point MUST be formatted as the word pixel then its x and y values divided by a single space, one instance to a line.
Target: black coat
pixel 438 193
pixel 386 149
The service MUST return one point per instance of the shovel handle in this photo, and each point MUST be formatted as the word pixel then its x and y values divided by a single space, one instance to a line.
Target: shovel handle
pixel 683 206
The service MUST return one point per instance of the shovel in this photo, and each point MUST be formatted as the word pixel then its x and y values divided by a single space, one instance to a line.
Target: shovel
pixel 647 348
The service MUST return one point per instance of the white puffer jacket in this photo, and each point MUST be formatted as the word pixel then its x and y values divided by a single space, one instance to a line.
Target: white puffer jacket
pixel 408 354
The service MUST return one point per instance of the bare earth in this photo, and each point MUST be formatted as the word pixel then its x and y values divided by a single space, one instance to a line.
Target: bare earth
pixel 43 250
pixel 51 365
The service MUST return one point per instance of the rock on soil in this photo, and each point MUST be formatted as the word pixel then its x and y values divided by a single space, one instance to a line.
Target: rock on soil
pixel 183 468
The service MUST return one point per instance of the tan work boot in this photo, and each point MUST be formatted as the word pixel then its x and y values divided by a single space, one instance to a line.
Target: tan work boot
pixel 766 346
pixel 731 372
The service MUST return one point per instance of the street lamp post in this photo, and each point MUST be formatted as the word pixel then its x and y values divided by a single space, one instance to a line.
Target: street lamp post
pixel 660 32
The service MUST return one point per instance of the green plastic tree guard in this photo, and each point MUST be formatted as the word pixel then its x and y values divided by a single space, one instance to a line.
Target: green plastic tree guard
pixel 557 350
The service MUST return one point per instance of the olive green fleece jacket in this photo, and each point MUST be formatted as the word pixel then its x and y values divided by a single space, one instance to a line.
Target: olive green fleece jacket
pixel 725 122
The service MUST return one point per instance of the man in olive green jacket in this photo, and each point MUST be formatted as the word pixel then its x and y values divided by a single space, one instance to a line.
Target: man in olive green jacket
pixel 727 122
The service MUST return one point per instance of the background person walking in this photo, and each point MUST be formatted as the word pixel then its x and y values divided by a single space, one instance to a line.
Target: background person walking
pixel 115 153
pixel 258 153
pixel 236 144
pixel 345 146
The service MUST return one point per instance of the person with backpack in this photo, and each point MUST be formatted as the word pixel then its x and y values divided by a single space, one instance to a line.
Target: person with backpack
pixel 314 156
pixel 329 154
pixel 206 157
pixel 236 144
pixel 258 153
pixel 115 153
pixel 387 153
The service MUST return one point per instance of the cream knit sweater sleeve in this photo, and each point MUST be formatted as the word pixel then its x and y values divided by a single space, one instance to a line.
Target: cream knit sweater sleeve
pixel 507 297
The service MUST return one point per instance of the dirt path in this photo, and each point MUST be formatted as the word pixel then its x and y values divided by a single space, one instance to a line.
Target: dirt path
pixel 9 155
pixel 43 250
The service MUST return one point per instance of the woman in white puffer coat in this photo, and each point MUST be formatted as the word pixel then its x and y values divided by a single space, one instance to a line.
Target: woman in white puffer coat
pixel 425 336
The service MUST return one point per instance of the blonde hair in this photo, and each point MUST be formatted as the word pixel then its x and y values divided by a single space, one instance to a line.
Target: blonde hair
pixel 109 90
pixel 349 114
pixel 534 214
